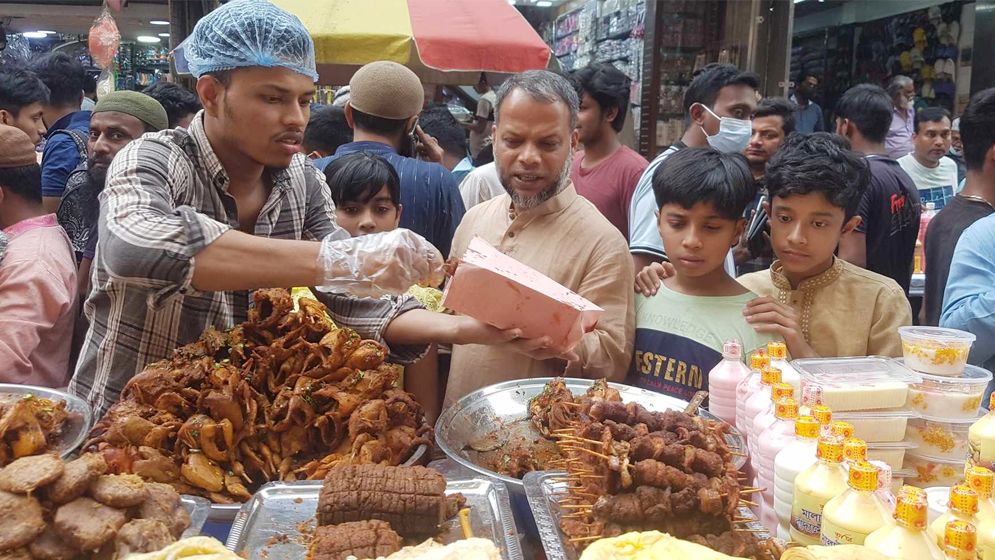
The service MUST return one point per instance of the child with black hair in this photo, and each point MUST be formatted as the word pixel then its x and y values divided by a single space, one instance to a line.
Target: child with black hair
pixel 702 195
pixel 819 304
pixel 366 192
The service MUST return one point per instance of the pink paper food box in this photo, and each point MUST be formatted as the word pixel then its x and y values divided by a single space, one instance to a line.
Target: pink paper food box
pixel 498 290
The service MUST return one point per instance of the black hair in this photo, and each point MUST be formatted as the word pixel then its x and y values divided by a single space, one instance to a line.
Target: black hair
pixel 89 83
pixel 778 107
pixel 177 100
pixel 819 162
pixel 326 130
pixel 710 80
pixel 931 114
pixel 438 122
pixel 23 181
pixel 64 77
pixel 977 128
pixel 868 107
pixel 19 89
pixel 608 86
pixel 359 176
pixel 378 125
pixel 694 175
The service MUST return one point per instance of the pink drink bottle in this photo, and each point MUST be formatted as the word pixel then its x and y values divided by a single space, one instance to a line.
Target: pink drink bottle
pixel 724 379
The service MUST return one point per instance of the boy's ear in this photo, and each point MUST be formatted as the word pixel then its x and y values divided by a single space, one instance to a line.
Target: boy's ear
pixel 740 228
pixel 397 220
pixel 851 224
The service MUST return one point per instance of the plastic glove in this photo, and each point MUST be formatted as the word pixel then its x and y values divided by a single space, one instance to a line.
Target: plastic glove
pixel 378 264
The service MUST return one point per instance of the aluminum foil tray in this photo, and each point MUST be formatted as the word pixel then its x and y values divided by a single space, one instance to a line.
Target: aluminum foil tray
pixel 503 408
pixel 544 496
pixel 198 508
pixel 80 416
pixel 279 520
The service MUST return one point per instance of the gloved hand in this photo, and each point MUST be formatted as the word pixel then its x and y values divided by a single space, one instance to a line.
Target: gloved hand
pixel 378 264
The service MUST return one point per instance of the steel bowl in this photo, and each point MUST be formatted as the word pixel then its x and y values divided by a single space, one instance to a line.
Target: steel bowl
pixel 78 423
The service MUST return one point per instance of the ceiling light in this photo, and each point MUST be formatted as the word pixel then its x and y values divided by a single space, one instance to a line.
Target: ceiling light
pixel 159 22
pixel 46 32
pixel 544 3
pixel 164 35
pixel 148 39
pixel 35 34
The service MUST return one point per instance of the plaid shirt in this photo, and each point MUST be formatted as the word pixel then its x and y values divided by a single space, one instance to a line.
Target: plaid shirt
pixel 166 199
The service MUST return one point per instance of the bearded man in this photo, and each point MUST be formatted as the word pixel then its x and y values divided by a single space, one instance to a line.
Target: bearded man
pixel 542 222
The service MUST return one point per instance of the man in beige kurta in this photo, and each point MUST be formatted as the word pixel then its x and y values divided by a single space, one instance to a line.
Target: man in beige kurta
pixel 542 222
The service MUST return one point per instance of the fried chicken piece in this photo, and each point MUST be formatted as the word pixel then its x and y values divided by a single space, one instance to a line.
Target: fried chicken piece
pixel 77 476
pixel 26 474
pixel 22 520
pixel 164 505
pixel 119 490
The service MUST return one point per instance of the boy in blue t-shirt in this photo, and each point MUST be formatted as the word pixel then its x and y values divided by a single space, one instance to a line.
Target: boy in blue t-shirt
pixel 702 195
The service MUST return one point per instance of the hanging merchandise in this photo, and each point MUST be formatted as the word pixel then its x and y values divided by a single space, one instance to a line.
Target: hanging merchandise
pixel 104 40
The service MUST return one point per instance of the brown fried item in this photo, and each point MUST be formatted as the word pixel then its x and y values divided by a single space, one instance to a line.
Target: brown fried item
pixel 16 554
pixel 141 535
pixel 29 425
pixel 21 520
pixel 362 539
pixel 88 524
pixel 77 476
pixel 119 490
pixel 26 474
pixel 50 546
pixel 163 504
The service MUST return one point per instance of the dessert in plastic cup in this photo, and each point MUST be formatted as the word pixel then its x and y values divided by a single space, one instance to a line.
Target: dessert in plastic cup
pixel 953 398
pixel 940 437
pixel 936 350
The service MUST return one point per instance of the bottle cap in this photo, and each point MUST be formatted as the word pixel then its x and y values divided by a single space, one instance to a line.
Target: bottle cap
pixel 807 427
pixel 822 413
pixel 732 350
pixel 780 391
pixel 911 511
pixel 759 360
pixel 812 395
pixel 960 536
pixel 963 499
pixel 863 476
pixel 855 449
pixel 786 409
pixel 830 449
pixel 884 475
pixel 991 402
pixel 777 350
pixel 912 491
pixel 980 480
pixel 841 429
pixel 770 375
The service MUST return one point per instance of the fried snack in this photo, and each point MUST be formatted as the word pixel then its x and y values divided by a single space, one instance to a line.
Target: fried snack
pixel 164 505
pixel 141 535
pixel 50 546
pixel 198 548
pixel 26 474
pixel 22 520
pixel 16 554
pixel 359 539
pixel 87 524
pixel 119 490
pixel 29 425
pixel 77 476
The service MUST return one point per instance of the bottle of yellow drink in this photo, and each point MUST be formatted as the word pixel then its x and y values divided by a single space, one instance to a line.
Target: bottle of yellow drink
pixel 963 506
pixel 814 487
pixel 908 538
pixel 857 512
pixel 981 438
pixel 981 480
pixel 960 541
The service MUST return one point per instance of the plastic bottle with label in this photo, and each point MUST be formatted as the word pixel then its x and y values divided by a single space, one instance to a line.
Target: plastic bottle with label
pixel 772 441
pixel 764 420
pixel 723 380
pixel 758 402
pixel 814 487
pixel 963 506
pixel 960 540
pixel 981 480
pixel 751 384
pixel 928 213
pixel 884 484
pixel 857 512
pixel 797 456
pixel 981 438
pixel 778 352
pixel 907 539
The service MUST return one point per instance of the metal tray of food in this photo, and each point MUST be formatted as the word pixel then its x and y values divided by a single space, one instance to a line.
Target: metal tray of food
pixel 503 409
pixel 226 513
pixel 279 520
pixel 78 423
pixel 544 493
pixel 198 508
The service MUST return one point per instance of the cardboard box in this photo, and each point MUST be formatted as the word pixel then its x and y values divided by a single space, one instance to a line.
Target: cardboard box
pixel 500 291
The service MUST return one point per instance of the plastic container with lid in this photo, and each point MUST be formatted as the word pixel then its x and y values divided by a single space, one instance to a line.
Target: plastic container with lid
pixel 878 426
pixel 778 352
pixel 814 487
pixel 936 350
pixel 891 453
pixel 797 456
pixel 771 442
pixel 938 437
pixel 749 385
pixel 849 384
pixel 723 380
pixel 932 471
pixel 758 402
pixel 960 541
pixel 777 392
pixel 907 538
pixel 981 439
pixel 952 398
pixel 962 505
pixel 856 513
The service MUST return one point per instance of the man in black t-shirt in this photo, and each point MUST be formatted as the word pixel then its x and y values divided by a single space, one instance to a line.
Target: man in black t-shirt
pixel 974 202
pixel 885 240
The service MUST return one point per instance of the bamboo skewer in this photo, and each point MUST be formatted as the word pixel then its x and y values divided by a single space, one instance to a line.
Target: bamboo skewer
pixel 582 539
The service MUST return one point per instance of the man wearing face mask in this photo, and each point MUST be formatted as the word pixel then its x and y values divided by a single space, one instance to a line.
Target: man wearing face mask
pixel 718 106
pixel 808 115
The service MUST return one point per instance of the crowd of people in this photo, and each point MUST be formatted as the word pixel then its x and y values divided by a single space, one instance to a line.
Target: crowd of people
pixel 149 217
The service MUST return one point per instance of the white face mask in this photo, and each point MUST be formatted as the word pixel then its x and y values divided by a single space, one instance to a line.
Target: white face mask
pixel 733 136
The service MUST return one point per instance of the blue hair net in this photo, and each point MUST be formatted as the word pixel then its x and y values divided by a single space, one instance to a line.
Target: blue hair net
pixel 245 33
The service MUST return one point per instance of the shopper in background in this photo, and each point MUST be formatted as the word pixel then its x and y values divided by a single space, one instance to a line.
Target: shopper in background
pixel 605 171
pixel 970 205
pixel 956 151
pixel 480 185
pixel 89 92
pixel 808 114
pixel 22 102
pixel 544 224
pixel 440 124
pixel 934 174
pixel 326 130
pixel 384 102
pixel 37 275
pixel 481 130
pixel 180 103
pixel 885 239
pixel 68 127
pixel 902 92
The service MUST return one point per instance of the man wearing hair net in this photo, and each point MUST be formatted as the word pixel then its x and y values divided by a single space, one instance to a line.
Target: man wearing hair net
pixel 192 220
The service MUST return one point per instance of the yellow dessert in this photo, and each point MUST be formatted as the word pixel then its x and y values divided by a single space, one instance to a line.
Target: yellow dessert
pixel 940 438
pixel 814 487
pixel 649 545
pixel 981 439
pixel 932 471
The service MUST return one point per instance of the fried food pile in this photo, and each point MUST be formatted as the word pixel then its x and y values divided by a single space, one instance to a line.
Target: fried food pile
pixel 29 426
pixel 55 510
pixel 287 395
pixel 631 469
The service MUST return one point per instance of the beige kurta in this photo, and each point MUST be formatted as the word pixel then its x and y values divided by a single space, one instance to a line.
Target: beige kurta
pixel 567 239
pixel 845 311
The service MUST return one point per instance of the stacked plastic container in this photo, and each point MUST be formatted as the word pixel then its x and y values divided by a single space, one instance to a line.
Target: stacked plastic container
pixel 946 402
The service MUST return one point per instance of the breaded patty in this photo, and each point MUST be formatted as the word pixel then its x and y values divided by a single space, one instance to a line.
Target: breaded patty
pixel 76 478
pixel 50 546
pixel 164 505
pixel 26 474
pixel 119 490
pixel 21 520
pixel 87 524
